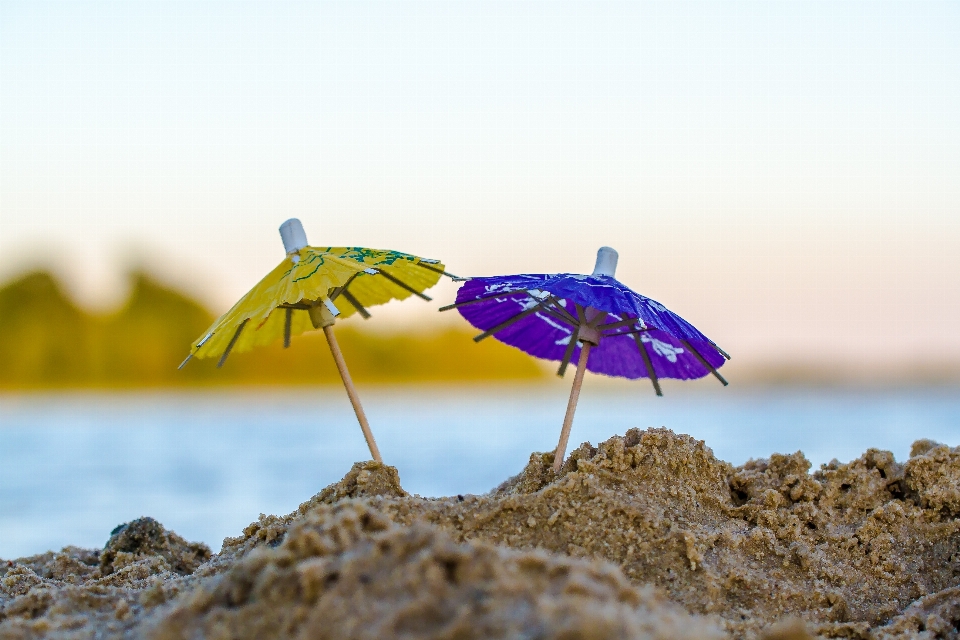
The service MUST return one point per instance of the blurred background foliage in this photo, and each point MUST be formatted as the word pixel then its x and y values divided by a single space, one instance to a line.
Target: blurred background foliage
pixel 46 340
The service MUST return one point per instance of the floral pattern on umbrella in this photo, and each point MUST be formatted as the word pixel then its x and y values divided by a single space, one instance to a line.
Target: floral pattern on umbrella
pixel 538 314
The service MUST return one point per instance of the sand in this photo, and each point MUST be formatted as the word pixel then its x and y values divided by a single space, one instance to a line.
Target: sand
pixel 647 535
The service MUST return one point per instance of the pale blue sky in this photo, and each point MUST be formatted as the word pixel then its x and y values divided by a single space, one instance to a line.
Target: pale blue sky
pixel 762 167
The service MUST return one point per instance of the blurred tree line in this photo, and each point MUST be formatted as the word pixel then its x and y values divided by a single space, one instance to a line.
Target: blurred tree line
pixel 48 341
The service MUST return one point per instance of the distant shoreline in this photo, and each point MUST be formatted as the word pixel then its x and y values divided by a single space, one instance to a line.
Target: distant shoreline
pixel 602 383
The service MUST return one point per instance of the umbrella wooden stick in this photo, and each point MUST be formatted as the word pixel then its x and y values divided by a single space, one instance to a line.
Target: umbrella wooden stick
pixel 571 407
pixel 351 391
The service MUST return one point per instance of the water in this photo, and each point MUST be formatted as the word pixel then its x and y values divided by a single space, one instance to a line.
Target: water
pixel 73 466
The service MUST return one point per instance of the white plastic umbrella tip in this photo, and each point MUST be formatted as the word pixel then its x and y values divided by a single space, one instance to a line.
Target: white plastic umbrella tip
pixel 293 236
pixel 606 262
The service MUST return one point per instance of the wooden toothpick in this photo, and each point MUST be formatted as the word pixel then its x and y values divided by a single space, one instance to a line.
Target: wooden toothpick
pixel 571 406
pixel 351 391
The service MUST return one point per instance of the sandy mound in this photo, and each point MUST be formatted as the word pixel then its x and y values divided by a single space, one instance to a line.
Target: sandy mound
pixel 347 571
pixel 646 535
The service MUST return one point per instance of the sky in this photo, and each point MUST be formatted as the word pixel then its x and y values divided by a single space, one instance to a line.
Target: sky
pixel 782 174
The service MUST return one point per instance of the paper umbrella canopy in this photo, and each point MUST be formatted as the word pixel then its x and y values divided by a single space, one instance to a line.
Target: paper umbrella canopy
pixel 596 319
pixel 310 289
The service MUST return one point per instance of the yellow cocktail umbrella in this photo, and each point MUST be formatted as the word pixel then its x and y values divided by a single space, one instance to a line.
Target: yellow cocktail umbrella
pixel 310 289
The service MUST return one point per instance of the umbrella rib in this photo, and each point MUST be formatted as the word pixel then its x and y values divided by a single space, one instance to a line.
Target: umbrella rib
pixel 627 333
pixel 573 341
pixel 233 341
pixel 559 307
pixel 356 303
pixel 618 324
pixel 567 355
pixel 649 365
pixel 294 305
pixel 553 314
pixel 287 321
pixel 340 290
pixel 503 325
pixel 404 285
pixel 598 318
pixel 435 270
pixel 581 314
pixel 719 350
pixel 199 344
pixel 704 362
pixel 457 305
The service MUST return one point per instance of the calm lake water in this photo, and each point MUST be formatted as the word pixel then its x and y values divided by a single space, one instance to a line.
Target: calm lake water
pixel 73 466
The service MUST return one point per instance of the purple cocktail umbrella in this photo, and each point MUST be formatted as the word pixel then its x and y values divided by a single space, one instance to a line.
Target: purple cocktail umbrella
pixel 610 328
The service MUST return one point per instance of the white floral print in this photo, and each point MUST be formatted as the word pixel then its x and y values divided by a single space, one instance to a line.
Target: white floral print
pixel 661 348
